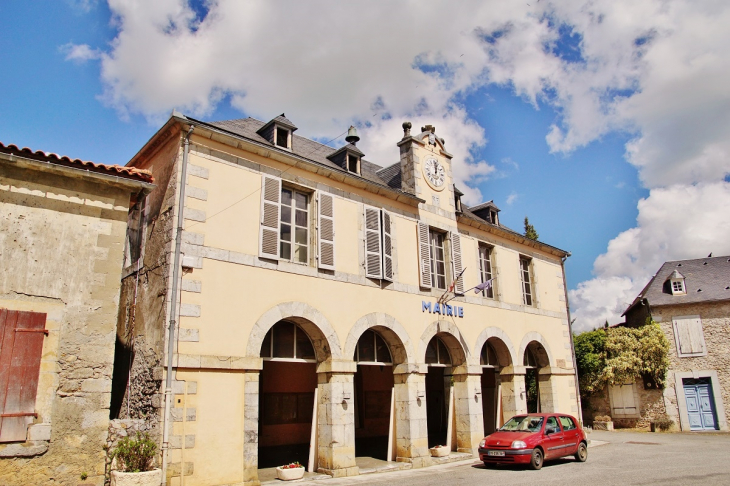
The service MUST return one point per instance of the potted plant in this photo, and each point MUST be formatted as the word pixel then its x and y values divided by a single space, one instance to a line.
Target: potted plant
pixel 134 458
pixel 602 422
pixel 663 423
pixel 439 451
pixel 290 471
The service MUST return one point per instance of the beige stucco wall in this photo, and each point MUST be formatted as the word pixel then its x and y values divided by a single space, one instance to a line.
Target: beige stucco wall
pixel 61 251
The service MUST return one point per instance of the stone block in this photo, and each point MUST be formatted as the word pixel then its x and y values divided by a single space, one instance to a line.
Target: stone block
pixel 195 215
pixel 176 441
pixel 189 261
pixel 192 238
pixel 192 286
pixel 196 193
pixel 189 310
pixel 39 432
pixel 96 385
pixel 189 335
pixel 197 171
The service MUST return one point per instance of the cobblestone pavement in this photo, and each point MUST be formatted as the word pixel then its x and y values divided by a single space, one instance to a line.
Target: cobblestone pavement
pixel 614 458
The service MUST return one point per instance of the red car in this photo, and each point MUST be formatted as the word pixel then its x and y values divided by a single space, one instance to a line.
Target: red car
pixel 534 438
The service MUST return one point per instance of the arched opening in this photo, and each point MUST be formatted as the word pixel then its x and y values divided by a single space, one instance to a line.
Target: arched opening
pixel 438 391
pixel 373 392
pixel 286 395
pixel 535 357
pixel 494 356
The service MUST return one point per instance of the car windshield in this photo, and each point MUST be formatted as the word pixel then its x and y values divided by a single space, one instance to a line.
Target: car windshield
pixel 523 424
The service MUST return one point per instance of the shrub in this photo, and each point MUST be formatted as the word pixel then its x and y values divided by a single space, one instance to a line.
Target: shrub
pixel 601 418
pixel 135 454
pixel 663 423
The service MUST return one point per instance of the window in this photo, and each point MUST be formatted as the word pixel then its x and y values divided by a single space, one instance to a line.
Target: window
pixel 485 269
pixel 567 423
pixel 488 356
pixel 529 360
pixel 135 231
pixel 294 227
pixel 352 163
pixel 688 336
pixel 287 341
pixel 526 282
pixel 438 260
pixel 552 423
pixel 677 287
pixel 282 137
pixel 623 400
pixel 437 354
pixel 378 244
pixel 21 348
pixel 372 349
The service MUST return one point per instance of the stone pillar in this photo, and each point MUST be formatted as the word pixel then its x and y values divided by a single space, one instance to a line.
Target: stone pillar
pixel 514 394
pixel 411 427
pixel 336 418
pixel 468 409
pixel 547 388
pixel 251 428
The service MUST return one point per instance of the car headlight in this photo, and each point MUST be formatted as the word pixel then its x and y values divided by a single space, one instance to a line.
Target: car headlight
pixel 518 444
pixel 483 443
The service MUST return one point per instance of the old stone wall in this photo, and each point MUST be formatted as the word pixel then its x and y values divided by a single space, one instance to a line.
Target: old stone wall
pixel 651 407
pixel 715 318
pixel 61 250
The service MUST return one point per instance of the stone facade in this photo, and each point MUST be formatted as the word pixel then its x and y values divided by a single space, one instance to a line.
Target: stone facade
pixel 232 297
pixel 63 233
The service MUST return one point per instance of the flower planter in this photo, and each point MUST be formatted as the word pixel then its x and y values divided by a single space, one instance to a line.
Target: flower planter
pixel 147 478
pixel 290 474
pixel 439 451
pixel 601 425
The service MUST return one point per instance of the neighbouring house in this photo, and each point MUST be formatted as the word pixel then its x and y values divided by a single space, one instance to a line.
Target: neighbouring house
pixel 63 227
pixel 690 299
pixel 309 322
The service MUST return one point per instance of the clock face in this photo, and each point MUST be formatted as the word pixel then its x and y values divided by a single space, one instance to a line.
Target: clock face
pixel 435 173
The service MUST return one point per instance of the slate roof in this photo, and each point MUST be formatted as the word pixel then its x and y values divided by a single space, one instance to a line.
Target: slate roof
pixel 488 204
pixel 705 280
pixel 391 175
pixel 62 160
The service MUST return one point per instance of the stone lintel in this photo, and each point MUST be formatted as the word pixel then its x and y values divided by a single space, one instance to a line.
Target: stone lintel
pixel 410 368
pixel 238 363
pixel 513 370
pixel 554 370
pixel 337 366
pixel 466 369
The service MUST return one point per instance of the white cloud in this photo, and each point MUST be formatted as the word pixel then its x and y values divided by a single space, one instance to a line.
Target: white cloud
pixel 512 198
pixel 654 69
pixel 80 53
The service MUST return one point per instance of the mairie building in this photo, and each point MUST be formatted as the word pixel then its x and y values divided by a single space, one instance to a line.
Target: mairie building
pixel 310 306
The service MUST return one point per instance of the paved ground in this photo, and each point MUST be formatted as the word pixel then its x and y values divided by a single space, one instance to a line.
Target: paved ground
pixel 614 458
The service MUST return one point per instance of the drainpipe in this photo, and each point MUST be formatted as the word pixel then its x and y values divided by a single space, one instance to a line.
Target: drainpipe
pixel 572 344
pixel 173 309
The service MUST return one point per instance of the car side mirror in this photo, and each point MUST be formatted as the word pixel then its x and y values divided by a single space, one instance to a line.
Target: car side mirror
pixel 550 430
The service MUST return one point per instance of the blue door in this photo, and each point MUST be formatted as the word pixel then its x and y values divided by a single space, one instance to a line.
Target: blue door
pixel 700 404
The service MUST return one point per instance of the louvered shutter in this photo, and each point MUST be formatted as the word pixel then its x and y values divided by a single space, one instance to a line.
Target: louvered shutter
pixel 387 247
pixel 326 231
pixel 21 347
pixel 270 211
pixel 456 262
pixel 373 249
pixel 424 255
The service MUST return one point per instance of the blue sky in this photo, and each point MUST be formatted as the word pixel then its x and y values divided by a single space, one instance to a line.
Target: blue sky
pixel 589 127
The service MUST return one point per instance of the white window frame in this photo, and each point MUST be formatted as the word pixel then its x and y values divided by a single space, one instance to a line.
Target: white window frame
pixel 527 284
pixel 681 289
pixel 276 137
pixel 292 223
pixel 690 321
pixel 432 234
pixel 485 274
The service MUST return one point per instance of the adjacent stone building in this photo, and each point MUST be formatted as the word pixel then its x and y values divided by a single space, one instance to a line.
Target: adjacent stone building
pixel 63 226
pixel 690 299
pixel 311 322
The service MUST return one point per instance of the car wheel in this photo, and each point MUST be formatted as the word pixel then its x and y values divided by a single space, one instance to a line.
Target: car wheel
pixel 536 460
pixel 582 453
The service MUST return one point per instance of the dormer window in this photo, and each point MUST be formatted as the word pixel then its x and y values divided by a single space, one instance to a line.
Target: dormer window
pixel 353 163
pixel 349 157
pixel 676 283
pixel 493 217
pixel 282 138
pixel 278 132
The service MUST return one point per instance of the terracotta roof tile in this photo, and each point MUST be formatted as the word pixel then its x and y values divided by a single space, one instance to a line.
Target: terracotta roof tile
pixel 115 170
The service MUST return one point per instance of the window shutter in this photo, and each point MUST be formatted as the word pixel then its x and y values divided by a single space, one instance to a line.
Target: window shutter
pixel 688 335
pixel 21 347
pixel 424 255
pixel 270 211
pixel 456 262
pixel 387 247
pixel 326 231
pixel 623 399
pixel 373 249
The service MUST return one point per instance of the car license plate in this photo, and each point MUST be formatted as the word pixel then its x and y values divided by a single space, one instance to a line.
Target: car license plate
pixel 495 453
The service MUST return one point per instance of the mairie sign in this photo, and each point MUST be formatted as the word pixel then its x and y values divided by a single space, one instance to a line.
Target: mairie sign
pixel 443 309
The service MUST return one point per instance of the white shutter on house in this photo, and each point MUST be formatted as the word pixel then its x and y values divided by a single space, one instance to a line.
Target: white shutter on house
pixel 270 211
pixel 373 248
pixel 623 399
pixel 387 247
pixel 424 255
pixel 456 262
pixel 688 336
pixel 326 231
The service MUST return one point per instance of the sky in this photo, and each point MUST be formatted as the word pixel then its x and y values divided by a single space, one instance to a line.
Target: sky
pixel 606 122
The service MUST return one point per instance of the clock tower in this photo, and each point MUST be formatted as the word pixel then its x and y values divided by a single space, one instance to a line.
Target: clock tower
pixel 426 169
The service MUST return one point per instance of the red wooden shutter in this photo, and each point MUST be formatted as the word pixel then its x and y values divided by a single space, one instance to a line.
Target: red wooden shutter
pixel 21 347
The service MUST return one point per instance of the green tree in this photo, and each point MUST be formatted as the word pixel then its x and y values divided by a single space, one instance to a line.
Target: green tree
pixel 530 230
pixel 590 355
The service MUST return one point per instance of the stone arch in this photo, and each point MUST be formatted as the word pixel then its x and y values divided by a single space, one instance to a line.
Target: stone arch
pixel 502 345
pixel 545 358
pixel 401 347
pixel 320 331
pixel 454 341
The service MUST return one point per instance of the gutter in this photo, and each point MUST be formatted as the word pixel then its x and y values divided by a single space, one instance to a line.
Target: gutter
pixel 173 309
pixel 572 344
